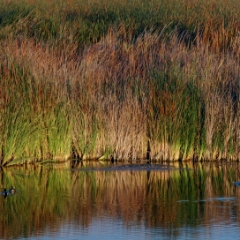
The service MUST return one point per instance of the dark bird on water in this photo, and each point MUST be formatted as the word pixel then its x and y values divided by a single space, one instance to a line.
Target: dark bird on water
pixel 12 190
pixel 5 193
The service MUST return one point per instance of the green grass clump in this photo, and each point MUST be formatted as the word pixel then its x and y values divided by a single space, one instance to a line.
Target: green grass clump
pixel 33 126
pixel 175 120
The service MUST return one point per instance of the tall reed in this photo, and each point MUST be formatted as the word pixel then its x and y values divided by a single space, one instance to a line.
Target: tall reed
pixel 95 79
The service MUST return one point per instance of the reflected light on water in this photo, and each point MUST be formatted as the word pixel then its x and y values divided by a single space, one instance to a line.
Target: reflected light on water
pixel 109 229
pixel 178 203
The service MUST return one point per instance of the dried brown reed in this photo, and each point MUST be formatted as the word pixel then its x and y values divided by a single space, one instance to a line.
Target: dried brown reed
pixel 176 89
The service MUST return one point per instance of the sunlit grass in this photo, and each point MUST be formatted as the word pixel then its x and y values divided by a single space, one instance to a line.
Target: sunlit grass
pixel 91 79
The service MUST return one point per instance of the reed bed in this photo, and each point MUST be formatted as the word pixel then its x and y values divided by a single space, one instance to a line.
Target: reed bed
pixel 93 79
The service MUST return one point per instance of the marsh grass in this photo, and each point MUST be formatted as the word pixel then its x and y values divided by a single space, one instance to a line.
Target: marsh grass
pixel 91 79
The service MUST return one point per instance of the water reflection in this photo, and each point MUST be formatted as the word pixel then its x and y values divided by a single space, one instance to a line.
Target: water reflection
pixel 52 202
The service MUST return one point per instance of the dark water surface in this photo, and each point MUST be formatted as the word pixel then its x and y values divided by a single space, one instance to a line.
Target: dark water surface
pixel 121 202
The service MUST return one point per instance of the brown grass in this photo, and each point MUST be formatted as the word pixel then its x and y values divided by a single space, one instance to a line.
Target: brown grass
pixel 176 88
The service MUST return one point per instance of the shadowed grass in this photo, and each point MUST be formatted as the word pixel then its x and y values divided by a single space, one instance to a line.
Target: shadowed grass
pixel 175 120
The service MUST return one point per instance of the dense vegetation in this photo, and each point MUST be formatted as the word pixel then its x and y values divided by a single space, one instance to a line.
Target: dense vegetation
pixel 91 79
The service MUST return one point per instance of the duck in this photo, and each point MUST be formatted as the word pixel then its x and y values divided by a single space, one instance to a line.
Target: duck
pixel 12 190
pixel 5 193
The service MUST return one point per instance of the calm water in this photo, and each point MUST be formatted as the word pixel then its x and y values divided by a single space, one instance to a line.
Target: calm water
pixel 121 202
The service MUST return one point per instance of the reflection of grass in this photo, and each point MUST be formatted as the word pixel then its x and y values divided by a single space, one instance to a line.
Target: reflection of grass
pixel 47 196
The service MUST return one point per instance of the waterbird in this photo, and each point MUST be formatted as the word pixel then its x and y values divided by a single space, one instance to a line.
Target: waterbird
pixel 236 184
pixel 5 193
pixel 12 190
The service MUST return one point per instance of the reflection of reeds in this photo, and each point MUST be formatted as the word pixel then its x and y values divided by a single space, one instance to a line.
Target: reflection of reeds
pixel 47 196
pixel 89 80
